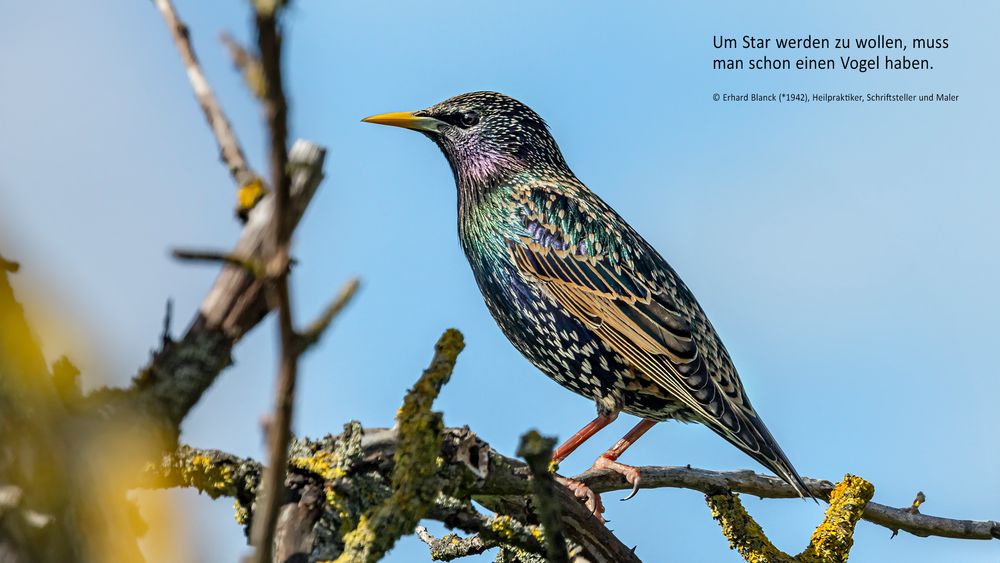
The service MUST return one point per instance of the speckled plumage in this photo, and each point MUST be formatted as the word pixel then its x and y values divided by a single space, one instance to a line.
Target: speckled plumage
pixel 581 294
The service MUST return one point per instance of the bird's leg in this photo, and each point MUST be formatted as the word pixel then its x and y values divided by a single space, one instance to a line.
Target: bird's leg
pixel 609 459
pixel 584 434
pixel 581 491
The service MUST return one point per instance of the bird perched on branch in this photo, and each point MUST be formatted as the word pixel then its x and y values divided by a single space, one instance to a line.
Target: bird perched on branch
pixel 579 292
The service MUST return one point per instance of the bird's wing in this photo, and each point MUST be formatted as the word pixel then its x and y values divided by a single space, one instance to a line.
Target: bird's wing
pixel 606 276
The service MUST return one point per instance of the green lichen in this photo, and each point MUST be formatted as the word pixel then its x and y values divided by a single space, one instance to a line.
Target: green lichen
pixel 414 482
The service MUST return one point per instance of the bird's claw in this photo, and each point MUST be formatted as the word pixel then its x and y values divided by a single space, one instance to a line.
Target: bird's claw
pixel 591 499
pixel 630 473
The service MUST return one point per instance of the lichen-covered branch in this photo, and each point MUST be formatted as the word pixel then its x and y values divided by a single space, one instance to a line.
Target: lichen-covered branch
pixel 494 530
pixel 537 451
pixel 831 542
pixel 414 484
pixel 357 465
pixel 215 473
pixel 452 546
pixel 742 531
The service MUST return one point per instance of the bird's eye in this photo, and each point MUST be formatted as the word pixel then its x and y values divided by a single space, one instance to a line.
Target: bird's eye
pixel 468 119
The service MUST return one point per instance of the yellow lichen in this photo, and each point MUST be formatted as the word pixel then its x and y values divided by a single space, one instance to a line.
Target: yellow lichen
pixel 830 543
pixel 416 462
pixel 212 477
pixel 502 526
pixel 832 540
pixel 249 195
pixel 743 533
pixel 242 515
pixel 322 463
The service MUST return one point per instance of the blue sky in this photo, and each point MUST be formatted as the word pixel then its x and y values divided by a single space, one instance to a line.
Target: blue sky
pixel 846 254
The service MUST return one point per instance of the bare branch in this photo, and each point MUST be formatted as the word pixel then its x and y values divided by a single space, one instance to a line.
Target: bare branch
pixel 174 380
pixel 276 115
pixel 766 486
pixel 229 146
pixel 312 333
pixel 214 256
pixel 237 301
pixel 248 65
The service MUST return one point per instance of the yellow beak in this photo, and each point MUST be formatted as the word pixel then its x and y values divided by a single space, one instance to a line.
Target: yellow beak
pixel 406 120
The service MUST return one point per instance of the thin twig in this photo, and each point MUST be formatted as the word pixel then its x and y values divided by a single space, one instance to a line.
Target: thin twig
pixel 214 256
pixel 312 333
pixel 230 150
pixel 248 65
pixel 276 115
pixel 8 266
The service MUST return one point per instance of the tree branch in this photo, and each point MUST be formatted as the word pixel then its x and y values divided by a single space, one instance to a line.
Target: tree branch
pixel 413 478
pixel 830 543
pixel 498 530
pixel 312 333
pixel 766 486
pixel 216 257
pixel 452 547
pixel 271 495
pixel 215 473
pixel 537 451
pixel 176 378
pixel 247 64
pixel 505 484
pixel 230 150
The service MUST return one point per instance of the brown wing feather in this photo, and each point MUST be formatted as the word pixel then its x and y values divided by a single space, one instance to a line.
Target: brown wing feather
pixel 643 324
pixel 636 326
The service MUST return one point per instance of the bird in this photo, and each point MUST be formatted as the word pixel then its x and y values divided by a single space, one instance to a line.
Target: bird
pixel 579 292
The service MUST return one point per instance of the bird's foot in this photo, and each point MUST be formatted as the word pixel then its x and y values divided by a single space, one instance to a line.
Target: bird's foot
pixel 630 473
pixel 591 499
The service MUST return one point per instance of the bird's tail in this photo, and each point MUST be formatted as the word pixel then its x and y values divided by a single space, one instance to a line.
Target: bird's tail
pixel 757 442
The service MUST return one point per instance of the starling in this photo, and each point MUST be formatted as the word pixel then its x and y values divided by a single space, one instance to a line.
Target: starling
pixel 579 292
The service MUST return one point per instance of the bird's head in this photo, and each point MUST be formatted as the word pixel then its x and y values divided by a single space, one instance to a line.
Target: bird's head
pixel 486 136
